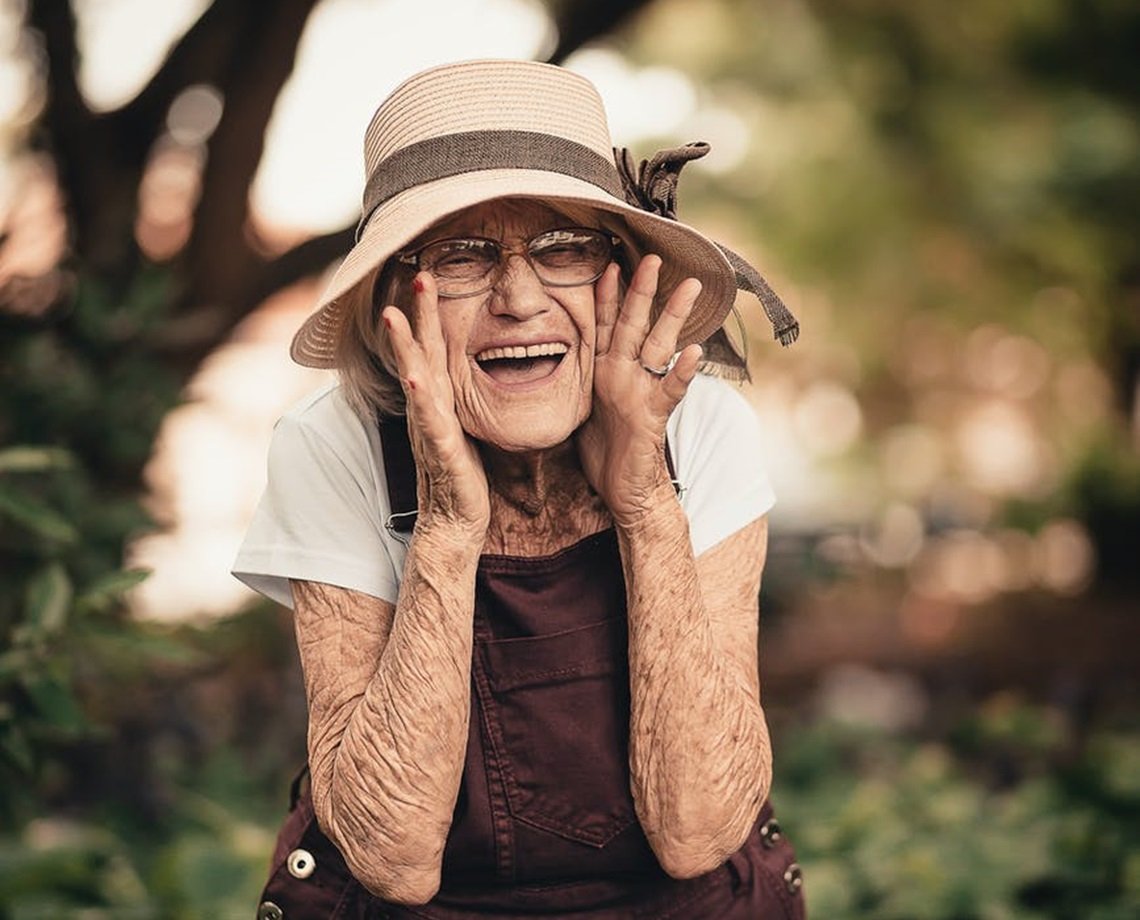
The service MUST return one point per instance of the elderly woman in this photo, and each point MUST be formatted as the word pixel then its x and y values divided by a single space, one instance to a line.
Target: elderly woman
pixel 523 535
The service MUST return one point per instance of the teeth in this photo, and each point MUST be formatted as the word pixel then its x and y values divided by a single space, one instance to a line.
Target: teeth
pixel 522 351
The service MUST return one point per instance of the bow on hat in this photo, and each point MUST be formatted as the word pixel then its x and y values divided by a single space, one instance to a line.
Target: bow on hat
pixel 652 186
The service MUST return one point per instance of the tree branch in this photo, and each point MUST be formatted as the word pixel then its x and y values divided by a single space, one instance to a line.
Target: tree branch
pixel 66 118
pixel 54 20
pixel 579 22
pixel 220 258
pixel 200 56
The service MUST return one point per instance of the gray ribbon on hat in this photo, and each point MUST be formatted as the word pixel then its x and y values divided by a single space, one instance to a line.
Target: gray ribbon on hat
pixel 652 186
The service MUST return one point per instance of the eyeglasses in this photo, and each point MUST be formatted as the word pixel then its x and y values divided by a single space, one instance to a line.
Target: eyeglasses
pixel 465 266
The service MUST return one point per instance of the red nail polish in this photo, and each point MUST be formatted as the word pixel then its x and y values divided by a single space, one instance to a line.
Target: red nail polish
pixel 418 284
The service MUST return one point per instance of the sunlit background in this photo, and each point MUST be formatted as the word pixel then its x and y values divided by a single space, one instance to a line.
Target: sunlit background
pixel 945 195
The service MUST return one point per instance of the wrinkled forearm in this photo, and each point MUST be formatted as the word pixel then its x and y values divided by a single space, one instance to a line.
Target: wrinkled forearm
pixel 386 764
pixel 700 757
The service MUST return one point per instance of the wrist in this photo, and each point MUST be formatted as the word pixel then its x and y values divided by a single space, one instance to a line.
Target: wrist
pixel 656 505
pixel 457 539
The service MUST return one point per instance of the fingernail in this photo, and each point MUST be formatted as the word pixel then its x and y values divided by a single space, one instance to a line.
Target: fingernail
pixel 418 284
pixel 411 384
pixel 387 322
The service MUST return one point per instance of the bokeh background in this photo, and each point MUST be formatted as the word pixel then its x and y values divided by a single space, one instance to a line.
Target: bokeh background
pixel 947 194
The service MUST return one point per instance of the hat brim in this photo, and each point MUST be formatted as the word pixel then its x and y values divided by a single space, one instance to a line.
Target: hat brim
pixel 685 253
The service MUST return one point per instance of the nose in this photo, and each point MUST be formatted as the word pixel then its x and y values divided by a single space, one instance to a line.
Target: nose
pixel 518 292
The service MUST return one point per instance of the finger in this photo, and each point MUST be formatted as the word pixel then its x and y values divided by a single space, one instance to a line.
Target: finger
pixel 661 343
pixel 633 320
pixel 425 303
pixel 676 383
pixel 421 404
pixel 411 362
pixel 606 307
pixel 405 348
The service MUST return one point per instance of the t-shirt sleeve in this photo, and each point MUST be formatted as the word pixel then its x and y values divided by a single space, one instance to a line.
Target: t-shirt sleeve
pixel 320 517
pixel 718 454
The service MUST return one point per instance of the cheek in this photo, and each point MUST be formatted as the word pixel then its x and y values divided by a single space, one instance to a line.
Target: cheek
pixel 581 312
pixel 584 315
pixel 455 330
pixel 587 314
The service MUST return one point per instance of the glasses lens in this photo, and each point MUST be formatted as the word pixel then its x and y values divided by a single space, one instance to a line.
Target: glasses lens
pixel 561 258
pixel 459 265
pixel 569 257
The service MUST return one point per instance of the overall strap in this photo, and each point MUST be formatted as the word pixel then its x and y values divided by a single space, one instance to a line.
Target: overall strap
pixel 400 472
pixel 677 487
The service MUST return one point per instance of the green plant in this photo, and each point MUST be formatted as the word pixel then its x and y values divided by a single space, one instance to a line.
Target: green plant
pixel 1008 817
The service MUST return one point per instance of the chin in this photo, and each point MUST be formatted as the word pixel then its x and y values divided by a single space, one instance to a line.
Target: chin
pixel 531 440
pixel 529 431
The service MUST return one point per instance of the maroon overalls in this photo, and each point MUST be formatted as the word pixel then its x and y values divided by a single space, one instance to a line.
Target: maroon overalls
pixel 544 824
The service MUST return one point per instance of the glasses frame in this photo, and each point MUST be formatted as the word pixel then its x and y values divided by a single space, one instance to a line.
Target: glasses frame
pixel 412 258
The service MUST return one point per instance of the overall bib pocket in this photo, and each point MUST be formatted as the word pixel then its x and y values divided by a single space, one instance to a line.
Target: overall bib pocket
pixel 559 705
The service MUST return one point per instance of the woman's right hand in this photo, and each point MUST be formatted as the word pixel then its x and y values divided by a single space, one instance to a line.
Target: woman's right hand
pixel 451 481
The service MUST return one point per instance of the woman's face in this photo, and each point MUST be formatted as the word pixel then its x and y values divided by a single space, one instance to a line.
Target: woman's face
pixel 518 404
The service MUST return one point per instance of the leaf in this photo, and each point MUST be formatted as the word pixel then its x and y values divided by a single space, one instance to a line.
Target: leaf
pixel 48 600
pixel 13 662
pixel 36 517
pixel 139 649
pixel 15 747
pixel 111 587
pixel 55 702
pixel 26 459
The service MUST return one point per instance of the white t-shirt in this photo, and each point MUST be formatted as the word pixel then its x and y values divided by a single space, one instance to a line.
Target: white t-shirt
pixel 325 505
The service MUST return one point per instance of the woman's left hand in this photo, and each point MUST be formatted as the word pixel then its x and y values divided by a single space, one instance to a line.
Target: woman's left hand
pixel 622 443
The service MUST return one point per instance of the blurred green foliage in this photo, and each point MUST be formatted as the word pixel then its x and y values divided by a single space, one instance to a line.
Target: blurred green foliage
pixel 111 753
pixel 79 411
pixel 1009 816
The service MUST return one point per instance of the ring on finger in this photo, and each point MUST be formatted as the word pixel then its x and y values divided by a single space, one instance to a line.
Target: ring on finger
pixel 655 371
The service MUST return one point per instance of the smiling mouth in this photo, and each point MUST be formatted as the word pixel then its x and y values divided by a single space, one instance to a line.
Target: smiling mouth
pixel 521 363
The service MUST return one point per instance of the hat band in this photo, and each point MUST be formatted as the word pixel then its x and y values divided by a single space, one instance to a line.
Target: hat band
pixel 472 151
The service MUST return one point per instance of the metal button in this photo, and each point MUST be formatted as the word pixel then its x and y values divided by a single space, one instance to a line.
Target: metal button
pixel 301 864
pixel 794 878
pixel 770 833
pixel 269 911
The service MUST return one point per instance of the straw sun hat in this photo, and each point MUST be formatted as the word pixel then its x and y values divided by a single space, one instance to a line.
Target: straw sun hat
pixel 461 134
